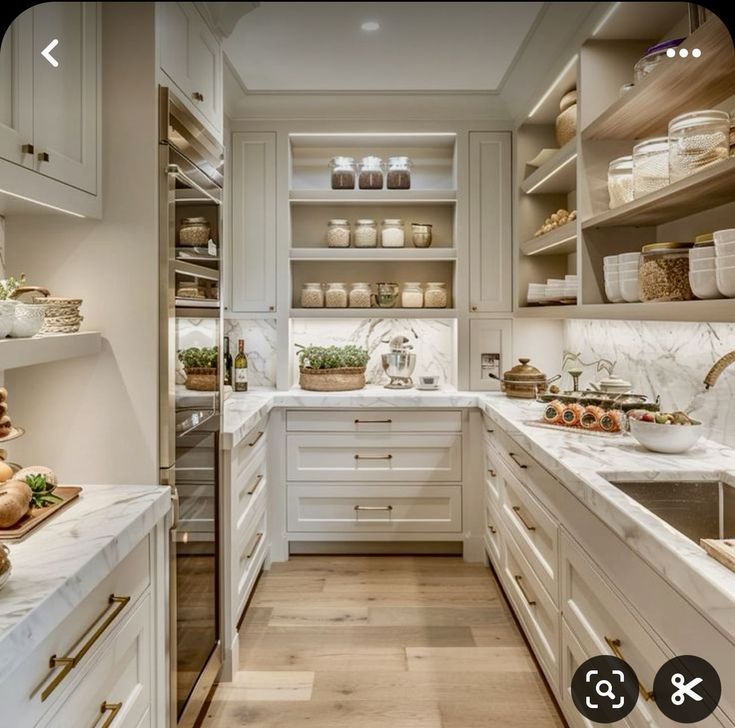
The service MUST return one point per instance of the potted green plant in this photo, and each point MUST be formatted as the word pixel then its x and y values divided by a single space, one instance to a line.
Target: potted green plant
pixel 332 368
pixel 200 365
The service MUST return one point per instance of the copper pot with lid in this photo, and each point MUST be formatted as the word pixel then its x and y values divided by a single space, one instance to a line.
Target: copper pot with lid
pixel 525 381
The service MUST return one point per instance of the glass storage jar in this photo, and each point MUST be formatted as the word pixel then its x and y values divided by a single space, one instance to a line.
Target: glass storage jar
pixel 312 295
pixel 435 295
pixel 338 233
pixel 371 173
pixel 343 173
pixel 336 295
pixel 650 166
pixel 653 56
pixel 620 181
pixel 392 234
pixel 421 234
pixel 664 272
pixel 399 173
pixel 360 295
pixel 194 232
pixel 412 295
pixel 366 234
pixel 696 140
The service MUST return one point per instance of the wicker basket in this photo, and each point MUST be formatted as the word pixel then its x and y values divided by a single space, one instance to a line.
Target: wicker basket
pixel 332 380
pixel 201 379
pixel 60 315
pixel 566 125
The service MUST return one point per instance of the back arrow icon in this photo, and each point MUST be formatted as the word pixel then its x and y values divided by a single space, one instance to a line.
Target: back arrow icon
pixel 46 52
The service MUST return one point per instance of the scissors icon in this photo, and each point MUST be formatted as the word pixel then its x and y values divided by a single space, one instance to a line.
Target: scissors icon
pixel 684 689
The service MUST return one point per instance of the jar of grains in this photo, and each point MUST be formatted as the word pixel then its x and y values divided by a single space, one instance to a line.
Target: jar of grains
pixel 650 166
pixel 343 173
pixel 371 173
pixel 312 295
pixel 620 181
pixel 421 234
pixel 436 295
pixel 336 296
pixel 366 234
pixel 412 295
pixel 360 295
pixel 338 233
pixel 696 140
pixel 664 272
pixel 194 232
pixel 392 234
pixel 399 173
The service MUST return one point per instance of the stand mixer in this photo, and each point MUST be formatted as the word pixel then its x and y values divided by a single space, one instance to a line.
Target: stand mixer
pixel 399 363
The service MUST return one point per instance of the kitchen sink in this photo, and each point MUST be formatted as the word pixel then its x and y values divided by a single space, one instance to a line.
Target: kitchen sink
pixel 697 509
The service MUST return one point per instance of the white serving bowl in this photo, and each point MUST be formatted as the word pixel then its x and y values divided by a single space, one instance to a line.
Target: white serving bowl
pixel 726 281
pixel 724 236
pixel 630 290
pixel 7 317
pixel 725 261
pixel 703 264
pixel 701 253
pixel 28 320
pixel 722 249
pixel 629 258
pixel 666 438
pixel 610 260
pixel 704 284
pixel 612 290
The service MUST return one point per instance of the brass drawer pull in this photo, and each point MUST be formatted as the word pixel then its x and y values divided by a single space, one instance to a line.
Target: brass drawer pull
pixel 197 96
pixel 373 457
pixel 113 708
pixel 27 149
pixel 515 459
pixel 614 645
pixel 69 662
pixel 43 157
pixel 374 422
pixel 255 545
pixel 373 508
pixel 519 513
pixel 255 485
pixel 519 579
pixel 490 431
pixel 493 530
pixel 492 472
pixel 254 442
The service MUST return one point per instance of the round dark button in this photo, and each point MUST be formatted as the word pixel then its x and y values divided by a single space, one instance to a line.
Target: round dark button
pixel 687 689
pixel 604 689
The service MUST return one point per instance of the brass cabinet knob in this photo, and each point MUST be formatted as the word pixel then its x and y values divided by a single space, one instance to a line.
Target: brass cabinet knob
pixel 473 308
pixel 43 157
pixel 271 308
pixel 27 149
pixel 197 96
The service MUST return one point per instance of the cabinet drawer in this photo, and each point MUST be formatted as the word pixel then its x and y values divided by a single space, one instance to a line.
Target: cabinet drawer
pixel 363 457
pixel 535 530
pixel 249 449
pixel 247 486
pixel 492 473
pixel 492 530
pixel 371 421
pixel 252 545
pixel 377 509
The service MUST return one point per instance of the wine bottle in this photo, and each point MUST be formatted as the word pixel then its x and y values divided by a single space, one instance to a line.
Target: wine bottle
pixel 240 383
pixel 228 363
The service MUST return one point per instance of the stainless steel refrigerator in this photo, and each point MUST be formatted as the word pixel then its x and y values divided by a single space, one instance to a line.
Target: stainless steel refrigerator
pixel 191 168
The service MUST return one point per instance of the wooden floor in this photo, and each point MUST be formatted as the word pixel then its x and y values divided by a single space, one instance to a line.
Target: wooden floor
pixel 381 642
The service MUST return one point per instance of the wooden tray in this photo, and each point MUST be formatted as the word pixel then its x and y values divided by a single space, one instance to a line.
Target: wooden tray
pixel 721 549
pixel 37 516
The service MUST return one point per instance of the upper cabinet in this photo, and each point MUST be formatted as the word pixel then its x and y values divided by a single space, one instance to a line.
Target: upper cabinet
pixel 191 59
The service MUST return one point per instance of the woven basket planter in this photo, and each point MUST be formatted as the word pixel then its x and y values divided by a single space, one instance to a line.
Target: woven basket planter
pixel 566 125
pixel 332 380
pixel 201 379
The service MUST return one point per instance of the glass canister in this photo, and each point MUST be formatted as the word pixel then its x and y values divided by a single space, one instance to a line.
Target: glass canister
pixel 392 234
pixel 420 234
pixel 620 181
pixel 654 55
pixel 312 295
pixel 399 173
pixel 371 173
pixel 696 140
pixel 664 272
pixel 338 233
pixel 360 295
pixel 336 295
pixel 412 295
pixel 343 173
pixel 650 166
pixel 366 234
pixel 386 294
pixel 435 295
pixel 194 232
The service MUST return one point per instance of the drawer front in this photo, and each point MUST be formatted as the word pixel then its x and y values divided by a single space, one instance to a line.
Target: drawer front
pixel 536 531
pixel 249 449
pixel 252 546
pixel 364 457
pixel 387 508
pixel 492 472
pixel 374 421
pixel 256 505
pixel 493 533
pixel 247 486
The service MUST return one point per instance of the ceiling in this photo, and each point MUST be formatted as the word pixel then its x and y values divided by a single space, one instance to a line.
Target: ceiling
pixel 433 46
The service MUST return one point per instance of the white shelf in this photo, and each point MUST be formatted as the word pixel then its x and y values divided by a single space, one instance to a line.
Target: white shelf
pixel 374 313
pixel 373 197
pixel 373 254
pixel 557 176
pixel 16 353
pixel 556 242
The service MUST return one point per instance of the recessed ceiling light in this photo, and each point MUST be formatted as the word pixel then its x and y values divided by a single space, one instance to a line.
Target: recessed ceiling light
pixel 370 26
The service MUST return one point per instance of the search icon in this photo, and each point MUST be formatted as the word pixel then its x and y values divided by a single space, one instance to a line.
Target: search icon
pixel 608 692
pixel 604 689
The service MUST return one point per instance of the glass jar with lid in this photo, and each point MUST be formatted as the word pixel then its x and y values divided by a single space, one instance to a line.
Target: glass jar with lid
pixel 436 295
pixel 653 56
pixel 194 232
pixel 336 295
pixel 620 181
pixel 696 140
pixel 412 295
pixel 338 233
pixel 360 295
pixel 312 295
pixel 343 173
pixel 664 272
pixel 421 234
pixel 392 233
pixel 399 173
pixel 371 173
pixel 366 234
pixel 650 166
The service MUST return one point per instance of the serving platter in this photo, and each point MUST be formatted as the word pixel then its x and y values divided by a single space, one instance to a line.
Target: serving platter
pixel 36 516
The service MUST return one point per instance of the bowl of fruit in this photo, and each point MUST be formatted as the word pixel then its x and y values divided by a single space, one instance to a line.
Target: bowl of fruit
pixel 669 432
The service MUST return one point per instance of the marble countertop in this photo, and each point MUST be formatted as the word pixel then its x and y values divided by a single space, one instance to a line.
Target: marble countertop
pixel 58 565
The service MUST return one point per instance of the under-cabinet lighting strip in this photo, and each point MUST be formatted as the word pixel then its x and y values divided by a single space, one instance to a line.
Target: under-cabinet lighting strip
pixel 605 18
pixel 552 173
pixel 553 245
pixel 38 202
pixel 553 86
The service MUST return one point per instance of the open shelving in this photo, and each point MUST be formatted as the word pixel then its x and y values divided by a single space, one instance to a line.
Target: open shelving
pixel 374 313
pixel 373 254
pixel 558 175
pixel 16 353
pixel 559 241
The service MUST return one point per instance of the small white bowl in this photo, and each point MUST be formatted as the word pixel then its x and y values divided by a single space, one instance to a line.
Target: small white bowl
pixel 725 261
pixel 28 320
pixel 630 278
pixel 612 291
pixel 703 252
pixel 628 267
pixel 724 236
pixel 704 284
pixel 666 438
pixel 610 260
pixel 706 264
pixel 629 258
pixel 722 249
pixel 726 281
pixel 630 290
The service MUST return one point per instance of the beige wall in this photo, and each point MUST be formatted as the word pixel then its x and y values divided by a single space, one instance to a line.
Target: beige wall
pixel 95 419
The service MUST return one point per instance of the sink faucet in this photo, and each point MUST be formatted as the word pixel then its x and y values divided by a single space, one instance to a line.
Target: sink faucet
pixel 719 366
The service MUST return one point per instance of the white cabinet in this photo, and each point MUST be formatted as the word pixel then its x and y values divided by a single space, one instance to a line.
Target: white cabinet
pixel 253 229
pixel 490 211
pixel 190 58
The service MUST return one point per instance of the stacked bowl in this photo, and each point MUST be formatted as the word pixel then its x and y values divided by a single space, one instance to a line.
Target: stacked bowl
pixel 725 262
pixel 612 278
pixel 628 267
pixel 702 278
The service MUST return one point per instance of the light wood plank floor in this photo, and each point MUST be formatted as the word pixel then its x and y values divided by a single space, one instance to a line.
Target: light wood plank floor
pixel 381 642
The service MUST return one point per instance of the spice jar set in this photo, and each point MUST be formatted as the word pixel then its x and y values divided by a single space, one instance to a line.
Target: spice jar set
pixel 380 295
pixel 369 174
pixel 695 140
pixel 341 234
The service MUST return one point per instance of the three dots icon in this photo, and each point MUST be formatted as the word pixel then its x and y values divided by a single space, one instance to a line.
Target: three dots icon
pixel 683 52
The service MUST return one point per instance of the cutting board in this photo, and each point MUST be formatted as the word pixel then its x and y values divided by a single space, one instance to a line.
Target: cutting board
pixel 721 549
pixel 36 516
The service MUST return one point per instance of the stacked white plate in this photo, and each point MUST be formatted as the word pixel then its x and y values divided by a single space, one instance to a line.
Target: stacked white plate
pixel 628 265
pixel 553 291
pixel 536 293
pixel 570 286
pixel 725 262
pixel 611 269
pixel 702 276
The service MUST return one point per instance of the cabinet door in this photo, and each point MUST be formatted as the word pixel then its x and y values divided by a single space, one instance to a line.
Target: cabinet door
pixel 253 221
pixel 16 91
pixel 174 36
pixel 65 111
pixel 491 244
pixel 205 69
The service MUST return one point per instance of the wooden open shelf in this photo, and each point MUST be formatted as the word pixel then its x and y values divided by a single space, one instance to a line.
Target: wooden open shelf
pixel 556 176
pixel 678 85
pixel 559 241
pixel 373 254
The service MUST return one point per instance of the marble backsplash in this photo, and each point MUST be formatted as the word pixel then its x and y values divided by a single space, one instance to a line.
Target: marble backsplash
pixel 260 345
pixel 670 359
